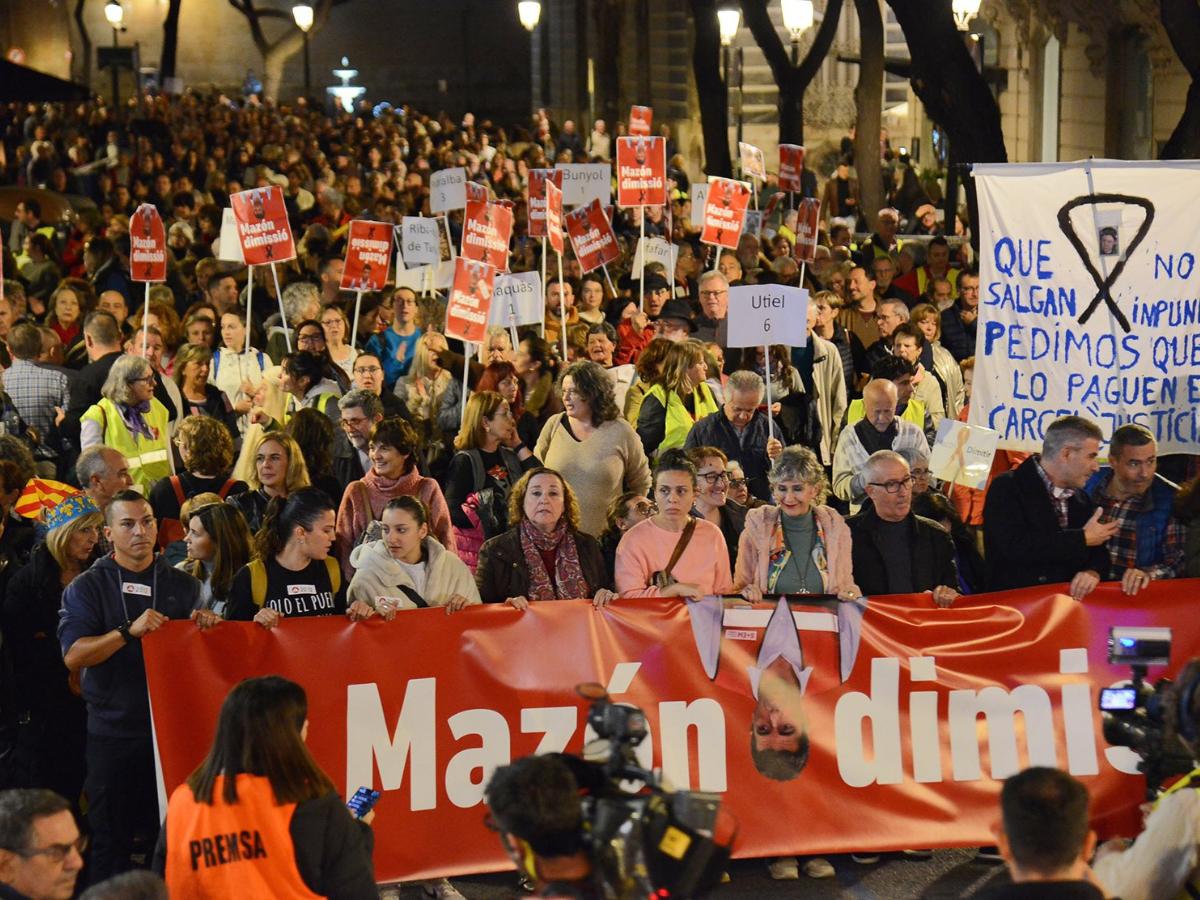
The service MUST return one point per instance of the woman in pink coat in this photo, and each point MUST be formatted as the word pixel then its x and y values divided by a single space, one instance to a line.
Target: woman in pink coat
pixel 796 546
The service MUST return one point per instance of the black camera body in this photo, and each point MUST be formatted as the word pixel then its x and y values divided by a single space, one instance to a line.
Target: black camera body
pixel 648 842
pixel 1134 715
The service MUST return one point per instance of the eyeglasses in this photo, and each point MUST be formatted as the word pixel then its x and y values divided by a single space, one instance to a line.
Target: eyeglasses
pixel 366 370
pixel 645 510
pixel 715 477
pixel 150 378
pixel 893 487
pixel 712 293
pixel 311 339
pixel 56 853
pixel 737 482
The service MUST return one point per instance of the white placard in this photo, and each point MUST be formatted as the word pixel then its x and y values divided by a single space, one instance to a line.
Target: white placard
pixel 753 163
pixel 521 293
pixel 753 223
pixel 443 276
pixel 229 248
pixel 448 190
pixel 699 195
pixel 963 453
pixel 1087 299
pixel 762 314
pixel 583 182
pixel 420 242
pixel 656 250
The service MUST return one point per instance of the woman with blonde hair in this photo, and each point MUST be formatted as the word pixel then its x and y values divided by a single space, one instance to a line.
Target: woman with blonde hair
pixel 431 393
pixel 49 751
pixel 678 398
pixel 938 360
pixel 279 470
pixel 491 458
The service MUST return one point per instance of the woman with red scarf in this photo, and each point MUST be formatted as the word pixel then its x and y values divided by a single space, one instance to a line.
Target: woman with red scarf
pixel 543 556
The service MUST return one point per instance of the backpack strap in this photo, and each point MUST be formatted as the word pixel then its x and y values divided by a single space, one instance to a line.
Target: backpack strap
pixel 226 488
pixel 335 574
pixel 177 486
pixel 216 365
pixel 258 582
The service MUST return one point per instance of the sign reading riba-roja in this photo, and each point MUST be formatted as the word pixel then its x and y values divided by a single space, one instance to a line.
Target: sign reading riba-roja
pixel 1089 299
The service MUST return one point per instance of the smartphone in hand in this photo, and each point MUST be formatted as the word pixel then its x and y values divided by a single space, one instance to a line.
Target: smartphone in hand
pixel 362 802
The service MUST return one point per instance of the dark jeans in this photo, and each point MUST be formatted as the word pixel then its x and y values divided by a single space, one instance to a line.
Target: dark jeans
pixel 122 797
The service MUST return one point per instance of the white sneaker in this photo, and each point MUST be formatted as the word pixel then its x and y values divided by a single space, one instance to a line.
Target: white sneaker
pixel 442 890
pixel 816 867
pixel 784 868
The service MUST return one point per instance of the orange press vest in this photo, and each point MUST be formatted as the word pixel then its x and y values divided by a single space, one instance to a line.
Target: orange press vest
pixel 225 852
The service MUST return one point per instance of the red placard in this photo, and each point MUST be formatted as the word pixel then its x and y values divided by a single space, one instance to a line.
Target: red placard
pixel 791 161
pixel 476 191
pixel 640 118
pixel 641 171
pixel 147 245
pixel 487 228
pixel 368 254
pixel 913 722
pixel 470 300
pixel 554 213
pixel 262 226
pixel 537 198
pixel 725 211
pixel 592 236
pixel 808 217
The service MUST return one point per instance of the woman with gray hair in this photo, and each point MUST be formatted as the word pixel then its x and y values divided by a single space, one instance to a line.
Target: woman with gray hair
pixel 130 420
pixel 797 546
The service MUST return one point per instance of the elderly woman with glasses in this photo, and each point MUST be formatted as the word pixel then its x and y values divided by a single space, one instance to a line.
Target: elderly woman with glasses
pixel 623 513
pixel 798 546
pixel 130 420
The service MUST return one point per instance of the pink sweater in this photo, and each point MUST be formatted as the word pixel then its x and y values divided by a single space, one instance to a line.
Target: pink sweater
pixel 646 549
pixel 354 514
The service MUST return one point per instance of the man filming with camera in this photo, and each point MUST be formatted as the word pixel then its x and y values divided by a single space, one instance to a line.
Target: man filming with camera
pixel 1164 861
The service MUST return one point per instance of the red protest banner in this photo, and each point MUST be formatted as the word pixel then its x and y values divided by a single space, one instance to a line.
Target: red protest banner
pixel 470 300
pixel 808 217
pixel 487 228
pixel 554 214
pixel 640 118
pixel 641 171
pixel 725 211
pixel 368 254
pixel 791 161
pixel 147 245
pixel 262 226
pixel 537 198
pixel 907 709
pixel 592 236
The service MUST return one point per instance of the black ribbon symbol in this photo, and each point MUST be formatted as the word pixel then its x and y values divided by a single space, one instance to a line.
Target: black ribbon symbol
pixel 1105 284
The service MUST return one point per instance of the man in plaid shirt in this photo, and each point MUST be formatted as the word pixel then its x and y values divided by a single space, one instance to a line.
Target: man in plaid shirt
pixel 1149 541
pixel 36 390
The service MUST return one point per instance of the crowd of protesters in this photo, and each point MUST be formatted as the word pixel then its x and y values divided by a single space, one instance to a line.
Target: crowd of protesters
pixel 154 468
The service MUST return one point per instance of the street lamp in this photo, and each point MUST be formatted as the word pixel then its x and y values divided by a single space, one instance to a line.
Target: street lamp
pixel 797 19
pixel 303 14
pixel 115 15
pixel 964 11
pixel 529 12
pixel 729 20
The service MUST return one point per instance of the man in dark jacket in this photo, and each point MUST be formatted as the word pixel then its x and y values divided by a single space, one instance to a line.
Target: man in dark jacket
pixel 959 321
pixel 739 430
pixel 1039 527
pixel 895 551
pixel 102 340
pixel 106 611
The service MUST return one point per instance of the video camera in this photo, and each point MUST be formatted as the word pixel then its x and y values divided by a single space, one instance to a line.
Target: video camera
pixel 649 841
pixel 1133 715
